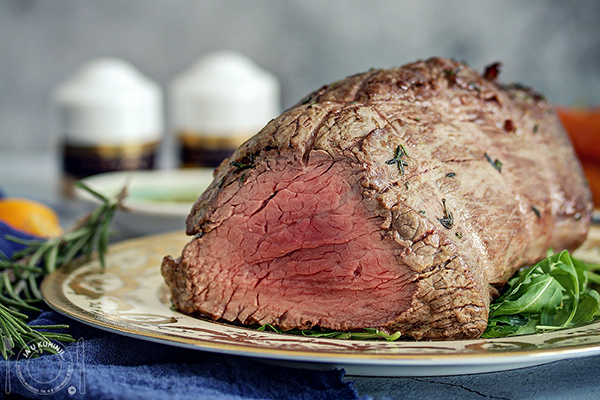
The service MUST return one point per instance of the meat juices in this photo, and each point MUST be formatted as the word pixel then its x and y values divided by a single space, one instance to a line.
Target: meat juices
pixel 394 199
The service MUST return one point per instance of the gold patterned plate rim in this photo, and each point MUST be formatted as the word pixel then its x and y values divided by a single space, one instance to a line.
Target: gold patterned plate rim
pixel 129 297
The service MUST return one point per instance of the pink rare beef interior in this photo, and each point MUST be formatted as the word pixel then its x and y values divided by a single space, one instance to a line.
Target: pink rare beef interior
pixel 298 251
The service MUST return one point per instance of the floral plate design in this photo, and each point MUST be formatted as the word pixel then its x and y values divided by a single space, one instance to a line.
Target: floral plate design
pixel 129 297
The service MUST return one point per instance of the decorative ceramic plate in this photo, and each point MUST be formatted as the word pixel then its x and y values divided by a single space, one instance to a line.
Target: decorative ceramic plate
pixel 130 297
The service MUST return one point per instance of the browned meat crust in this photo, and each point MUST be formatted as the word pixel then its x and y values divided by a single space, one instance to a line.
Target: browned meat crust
pixel 392 199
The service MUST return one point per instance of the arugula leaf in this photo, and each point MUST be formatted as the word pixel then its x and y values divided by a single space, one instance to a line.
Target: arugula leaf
pixel 532 295
pixel 588 306
pixel 552 294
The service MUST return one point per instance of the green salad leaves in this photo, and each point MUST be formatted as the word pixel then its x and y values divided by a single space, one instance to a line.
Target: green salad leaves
pixel 552 294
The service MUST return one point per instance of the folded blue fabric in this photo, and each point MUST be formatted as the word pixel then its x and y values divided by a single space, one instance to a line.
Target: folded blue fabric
pixel 103 365
pixel 8 246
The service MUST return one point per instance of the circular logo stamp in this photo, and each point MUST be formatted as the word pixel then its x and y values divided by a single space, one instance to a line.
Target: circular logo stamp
pixel 44 375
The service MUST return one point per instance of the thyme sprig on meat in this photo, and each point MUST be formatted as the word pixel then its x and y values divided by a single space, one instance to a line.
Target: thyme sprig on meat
pixel 398 159
pixel 240 166
pixel 495 163
pixel 447 220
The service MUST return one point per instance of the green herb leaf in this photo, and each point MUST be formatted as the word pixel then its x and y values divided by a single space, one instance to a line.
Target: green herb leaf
pixel 398 154
pixel 447 220
pixel 589 303
pixel 536 293
pixel 240 166
pixel 549 295
pixel 496 163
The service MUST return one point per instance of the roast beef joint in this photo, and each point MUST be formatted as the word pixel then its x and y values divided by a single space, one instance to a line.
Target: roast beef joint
pixel 395 199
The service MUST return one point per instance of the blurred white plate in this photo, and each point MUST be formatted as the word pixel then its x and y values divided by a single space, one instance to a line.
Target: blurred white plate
pixel 158 200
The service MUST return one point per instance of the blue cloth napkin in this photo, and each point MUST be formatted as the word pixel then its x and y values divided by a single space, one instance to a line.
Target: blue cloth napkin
pixel 103 365
pixel 8 246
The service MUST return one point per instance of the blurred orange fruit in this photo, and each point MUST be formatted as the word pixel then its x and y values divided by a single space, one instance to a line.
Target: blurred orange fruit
pixel 30 217
pixel 583 127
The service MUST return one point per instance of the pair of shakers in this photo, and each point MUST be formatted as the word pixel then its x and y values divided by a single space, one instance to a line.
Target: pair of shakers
pixel 111 117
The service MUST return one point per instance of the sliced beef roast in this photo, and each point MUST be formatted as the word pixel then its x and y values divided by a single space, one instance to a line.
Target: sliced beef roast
pixel 394 199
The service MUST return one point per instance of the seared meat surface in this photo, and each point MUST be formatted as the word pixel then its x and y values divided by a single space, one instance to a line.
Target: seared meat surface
pixel 394 199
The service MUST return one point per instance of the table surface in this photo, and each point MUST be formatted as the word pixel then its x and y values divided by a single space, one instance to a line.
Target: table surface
pixel 37 176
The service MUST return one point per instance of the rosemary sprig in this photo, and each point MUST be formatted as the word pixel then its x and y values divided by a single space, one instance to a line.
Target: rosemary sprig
pixel 22 272
pixel 16 334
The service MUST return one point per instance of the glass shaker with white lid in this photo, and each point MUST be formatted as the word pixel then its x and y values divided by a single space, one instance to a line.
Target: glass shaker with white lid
pixel 111 118
pixel 218 103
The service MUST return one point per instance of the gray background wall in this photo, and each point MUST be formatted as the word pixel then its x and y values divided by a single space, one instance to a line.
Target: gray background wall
pixel 552 45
